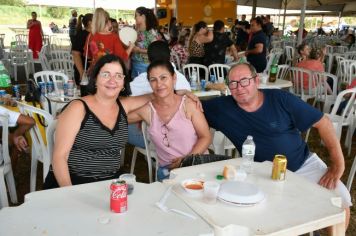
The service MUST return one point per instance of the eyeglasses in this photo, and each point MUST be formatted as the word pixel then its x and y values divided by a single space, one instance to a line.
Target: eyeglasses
pixel 164 131
pixel 116 76
pixel 244 82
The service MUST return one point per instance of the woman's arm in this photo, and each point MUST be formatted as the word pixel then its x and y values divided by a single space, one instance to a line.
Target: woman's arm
pixel 78 62
pixel 207 38
pixel 132 103
pixel 67 128
pixel 139 114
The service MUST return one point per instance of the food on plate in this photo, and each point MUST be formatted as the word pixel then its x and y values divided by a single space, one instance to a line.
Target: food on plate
pixel 229 172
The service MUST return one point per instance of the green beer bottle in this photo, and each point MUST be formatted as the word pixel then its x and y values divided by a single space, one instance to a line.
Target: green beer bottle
pixel 273 71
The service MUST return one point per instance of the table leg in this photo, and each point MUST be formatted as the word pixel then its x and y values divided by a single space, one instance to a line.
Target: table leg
pixel 338 229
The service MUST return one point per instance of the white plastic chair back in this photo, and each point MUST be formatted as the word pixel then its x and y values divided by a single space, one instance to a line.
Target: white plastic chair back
pixel 63 65
pixel 221 145
pixel 270 59
pixel 344 75
pixel 298 75
pixel 5 166
pixel 289 54
pixel 283 71
pixel 21 38
pixel 19 57
pixel 149 152
pixel 176 60
pixel 351 55
pixel 219 71
pixel 329 49
pixel 352 71
pixel 188 70
pixel 42 56
pixel 344 118
pixel 326 94
pixel 58 79
pixel 61 54
pixel 39 148
pixel 338 58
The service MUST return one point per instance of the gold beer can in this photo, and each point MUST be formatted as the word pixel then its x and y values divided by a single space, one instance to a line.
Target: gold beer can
pixel 279 167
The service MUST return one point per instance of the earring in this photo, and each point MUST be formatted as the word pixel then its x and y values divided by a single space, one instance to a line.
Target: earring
pixel 123 89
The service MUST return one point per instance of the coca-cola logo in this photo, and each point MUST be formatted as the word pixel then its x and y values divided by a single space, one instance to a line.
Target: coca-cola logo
pixel 119 192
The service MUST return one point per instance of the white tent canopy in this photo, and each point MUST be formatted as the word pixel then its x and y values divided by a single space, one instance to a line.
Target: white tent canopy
pixel 106 4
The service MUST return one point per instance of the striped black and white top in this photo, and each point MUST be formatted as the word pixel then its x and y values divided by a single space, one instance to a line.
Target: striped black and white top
pixel 96 151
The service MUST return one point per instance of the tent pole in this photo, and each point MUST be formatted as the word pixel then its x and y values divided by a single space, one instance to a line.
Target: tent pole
pixel 301 23
pixel 254 6
pixel 284 15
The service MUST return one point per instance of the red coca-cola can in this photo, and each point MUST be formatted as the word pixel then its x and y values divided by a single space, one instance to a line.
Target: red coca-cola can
pixel 118 196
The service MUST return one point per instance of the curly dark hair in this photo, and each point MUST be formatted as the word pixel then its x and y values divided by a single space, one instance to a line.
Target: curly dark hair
pixel 151 20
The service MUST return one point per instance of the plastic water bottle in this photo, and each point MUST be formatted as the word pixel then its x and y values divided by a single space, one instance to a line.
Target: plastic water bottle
pixel 194 81
pixel 248 154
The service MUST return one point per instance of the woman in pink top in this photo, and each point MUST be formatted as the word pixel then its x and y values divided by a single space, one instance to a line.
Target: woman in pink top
pixel 175 125
pixel 313 63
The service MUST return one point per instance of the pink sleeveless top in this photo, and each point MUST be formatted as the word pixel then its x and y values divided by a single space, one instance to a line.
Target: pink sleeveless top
pixel 174 139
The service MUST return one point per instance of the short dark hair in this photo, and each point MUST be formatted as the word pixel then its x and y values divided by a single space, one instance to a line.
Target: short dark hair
pixel 110 58
pixel 258 20
pixel 199 25
pixel 301 47
pixel 218 25
pixel 160 63
pixel 158 50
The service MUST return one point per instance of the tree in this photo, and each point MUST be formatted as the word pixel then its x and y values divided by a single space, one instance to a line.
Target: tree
pixel 12 2
pixel 56 12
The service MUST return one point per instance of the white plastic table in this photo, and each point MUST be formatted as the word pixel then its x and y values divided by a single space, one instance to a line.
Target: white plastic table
pixel 84 210
pixel 279 83
pixel 293 207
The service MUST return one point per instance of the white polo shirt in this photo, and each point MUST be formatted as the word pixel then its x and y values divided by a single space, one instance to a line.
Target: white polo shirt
pixel 140 85
pixel 13 116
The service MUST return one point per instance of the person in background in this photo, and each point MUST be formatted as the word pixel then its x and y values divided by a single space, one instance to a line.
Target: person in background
pixel 146 26
pixel 350 40
pixel 16 138
pixel 114 26
pixel 173 30
pixel 215 50
pixel 303 51
pixel 83 30
pixel 73 26
pixel 162 34
pixel 276 118
pixel 180 49
pixel 304 34
pixel 256 51
pixel 176 126
pixel 268 28
pixel 102 41
pixel 241 36
pixel 198 37
pixel 157 50
pixel 92 131
pixel 35 35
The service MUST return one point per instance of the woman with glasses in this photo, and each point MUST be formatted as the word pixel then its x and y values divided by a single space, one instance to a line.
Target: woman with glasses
pixel 176 126
pixel 103 41
pixel 92 131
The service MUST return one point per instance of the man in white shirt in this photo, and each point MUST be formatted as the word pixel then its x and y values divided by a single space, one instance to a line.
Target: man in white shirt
pixel 157 50
pixel 16 138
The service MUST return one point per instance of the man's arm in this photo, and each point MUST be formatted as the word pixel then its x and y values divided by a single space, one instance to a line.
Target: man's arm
pixel 328 136
pixel 258 49
pixel 24 123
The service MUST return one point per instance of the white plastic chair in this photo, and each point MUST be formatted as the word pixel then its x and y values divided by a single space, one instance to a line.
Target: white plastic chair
pixel 19 57
pixel 43 59
pixel 176 60
pixel 63 65
pixel 351 55
pixel 188 70
pixel 219 71
pixel 21 38
pixel 5 166
pixel 39 148
pixel 149 152
pixel 289 51
pixel 221 145
pixel 346 117
pixel 351 175
pixel 326 94
pixel 270 59
pixel 344 75
pixel 297 77
pixel 283 71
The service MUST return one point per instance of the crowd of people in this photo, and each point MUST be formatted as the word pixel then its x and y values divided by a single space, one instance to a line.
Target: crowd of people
pixel 93 130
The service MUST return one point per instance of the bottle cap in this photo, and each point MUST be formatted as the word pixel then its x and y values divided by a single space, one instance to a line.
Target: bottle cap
pixel 219 177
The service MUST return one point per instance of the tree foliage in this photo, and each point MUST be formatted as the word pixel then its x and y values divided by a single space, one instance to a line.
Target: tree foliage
pixel 12 2
pixel 57 12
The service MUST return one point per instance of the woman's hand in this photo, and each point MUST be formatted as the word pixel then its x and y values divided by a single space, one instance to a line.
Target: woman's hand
pixel 175 163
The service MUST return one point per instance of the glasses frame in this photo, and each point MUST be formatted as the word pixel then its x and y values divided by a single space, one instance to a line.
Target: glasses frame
pixel 164 132
pixel 234 84
pixel 107 75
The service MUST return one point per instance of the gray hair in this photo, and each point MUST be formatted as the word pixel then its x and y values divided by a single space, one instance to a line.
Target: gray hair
pixel 250 67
